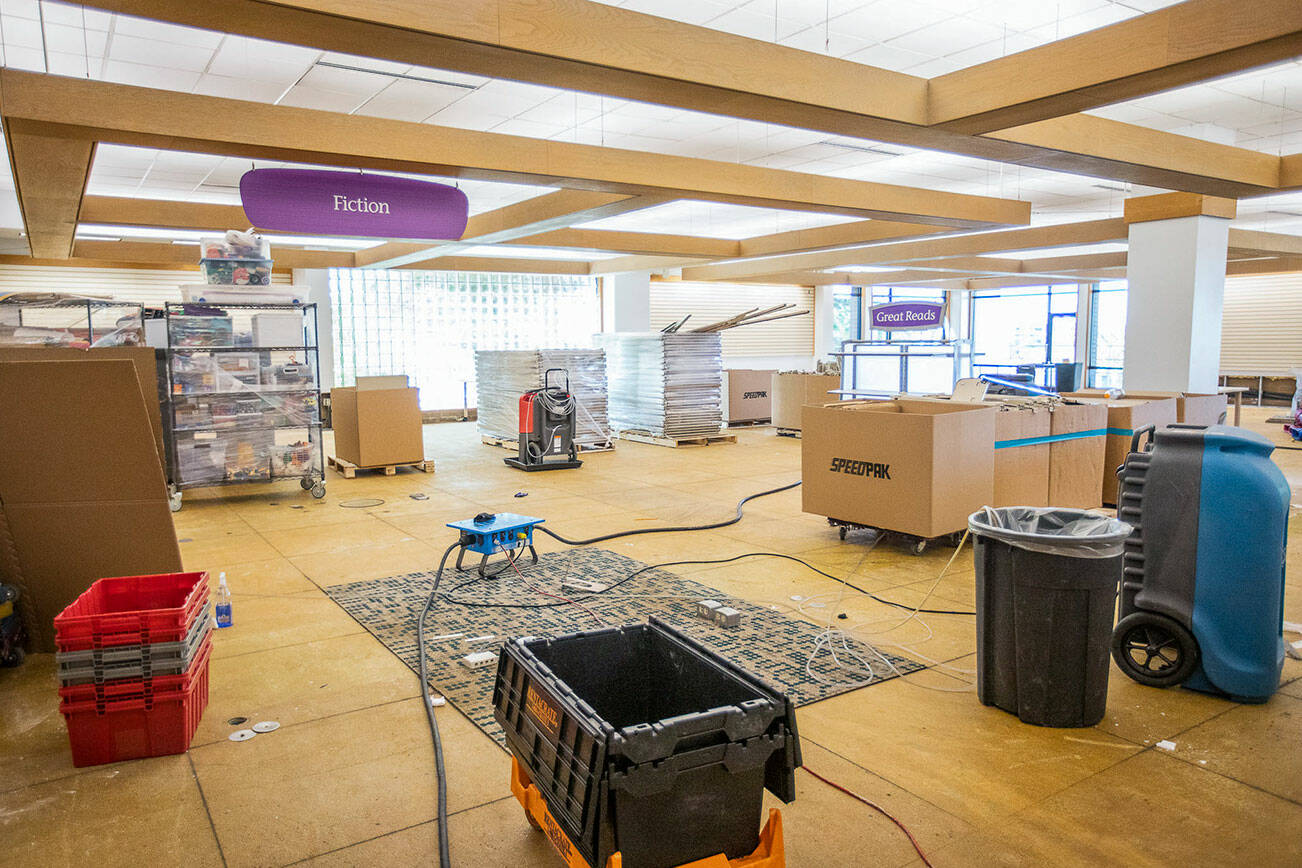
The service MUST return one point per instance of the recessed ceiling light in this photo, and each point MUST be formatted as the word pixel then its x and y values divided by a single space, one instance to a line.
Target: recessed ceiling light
pixel 870 148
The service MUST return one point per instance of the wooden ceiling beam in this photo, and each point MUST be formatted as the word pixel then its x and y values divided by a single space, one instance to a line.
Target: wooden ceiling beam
pixel 634 243
pixel 595 48
pixel 188 254
pixel 50 175
pixel 126 114
pixel 1271 243
pixel 162 214
pixel 539 214
pixel 1034 238
pixel 1168 48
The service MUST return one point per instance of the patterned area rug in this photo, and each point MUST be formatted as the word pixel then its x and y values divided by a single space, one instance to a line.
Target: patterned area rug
pixel 770 644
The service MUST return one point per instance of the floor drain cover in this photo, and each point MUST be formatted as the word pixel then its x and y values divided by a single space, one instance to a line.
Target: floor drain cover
pixel 362 503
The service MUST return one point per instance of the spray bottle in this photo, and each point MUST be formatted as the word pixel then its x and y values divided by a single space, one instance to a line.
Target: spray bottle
pixel 223 602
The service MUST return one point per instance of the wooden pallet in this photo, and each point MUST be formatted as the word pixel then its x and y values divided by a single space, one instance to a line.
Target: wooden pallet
pixel 514 445
pixel 674 442
pixel 756 423
pixel 349 469
pixel 789 432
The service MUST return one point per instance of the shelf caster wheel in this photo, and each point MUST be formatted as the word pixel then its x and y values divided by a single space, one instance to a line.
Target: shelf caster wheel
pixel 305 483
pixel 917 546
pixel 532 822
pixel 1154 649
pixel 318 490
pixel 174 501
pixel 843 531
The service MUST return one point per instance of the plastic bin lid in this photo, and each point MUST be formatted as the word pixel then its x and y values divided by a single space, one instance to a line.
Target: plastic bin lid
pixel 1072 533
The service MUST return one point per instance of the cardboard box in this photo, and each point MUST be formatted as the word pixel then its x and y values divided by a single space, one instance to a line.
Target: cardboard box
pixel 1021 467
pixel 1076 457
pixel 81 485
pixel 1125 416
pixel 1195 408
pixel 747 395
pixel 908 465
pixel 377 422
pixel 790 392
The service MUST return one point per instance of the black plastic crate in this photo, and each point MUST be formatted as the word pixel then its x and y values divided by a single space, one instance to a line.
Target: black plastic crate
pixel 643 741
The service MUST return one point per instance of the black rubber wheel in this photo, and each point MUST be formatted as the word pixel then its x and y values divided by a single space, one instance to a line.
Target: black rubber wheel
pixel 918 546
pixel 305 483
pixel 1154 649
pixel 843 531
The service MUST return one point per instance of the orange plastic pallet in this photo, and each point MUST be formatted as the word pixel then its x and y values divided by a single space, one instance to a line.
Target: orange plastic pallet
pixel 769 854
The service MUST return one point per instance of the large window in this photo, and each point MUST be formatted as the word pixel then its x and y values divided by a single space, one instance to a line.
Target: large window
pixel 888 294
pixel 1107 334
pixel 847 314
pixel 428 324
pixel 1024 328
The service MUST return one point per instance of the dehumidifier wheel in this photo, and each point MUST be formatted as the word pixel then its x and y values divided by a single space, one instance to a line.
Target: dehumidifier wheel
pixel 843 531
pixel 305 483
pixel 318 490
pixel 1154 649
pixel 918 546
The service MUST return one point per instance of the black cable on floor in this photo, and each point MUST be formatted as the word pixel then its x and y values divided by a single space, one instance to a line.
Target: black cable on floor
pixel 596 539
pixel 445 858
pixel 486 605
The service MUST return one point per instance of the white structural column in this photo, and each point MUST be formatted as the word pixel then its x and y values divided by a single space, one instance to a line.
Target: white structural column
pixel 626 302
pixel 824 318
pixel 1176 276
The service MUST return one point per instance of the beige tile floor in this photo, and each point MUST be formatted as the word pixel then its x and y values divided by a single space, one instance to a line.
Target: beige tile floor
pixel 347 780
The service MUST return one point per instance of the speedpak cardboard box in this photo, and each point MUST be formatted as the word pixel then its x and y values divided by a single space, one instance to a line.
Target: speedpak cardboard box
pixel 790 392
pixel 747 395
pixel 377 422
pixel 1125 416
pixel 1022 455
pixel 909 465
pixel 1076 454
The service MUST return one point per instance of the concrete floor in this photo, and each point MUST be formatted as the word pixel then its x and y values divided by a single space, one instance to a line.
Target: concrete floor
pixel 348 778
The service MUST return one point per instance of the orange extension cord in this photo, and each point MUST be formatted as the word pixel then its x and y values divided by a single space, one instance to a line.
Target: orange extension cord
pixel 878 808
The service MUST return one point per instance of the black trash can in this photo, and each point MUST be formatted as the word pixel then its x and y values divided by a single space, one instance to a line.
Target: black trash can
pixel 1046 589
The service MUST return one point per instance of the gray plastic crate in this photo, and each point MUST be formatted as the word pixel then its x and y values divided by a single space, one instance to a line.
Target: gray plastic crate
pixel 132 661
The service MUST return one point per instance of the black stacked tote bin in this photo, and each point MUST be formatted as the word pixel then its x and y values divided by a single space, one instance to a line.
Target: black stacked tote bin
pixel 642 741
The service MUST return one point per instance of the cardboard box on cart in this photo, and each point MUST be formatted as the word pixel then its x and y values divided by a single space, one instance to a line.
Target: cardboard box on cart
pixel 914 466
pixel 1076 455
pixel 791 392
pixel 1021 455
pixel 1125 416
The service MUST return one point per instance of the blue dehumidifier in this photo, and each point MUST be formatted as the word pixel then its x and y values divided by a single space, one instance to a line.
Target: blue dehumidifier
pixel 1202 592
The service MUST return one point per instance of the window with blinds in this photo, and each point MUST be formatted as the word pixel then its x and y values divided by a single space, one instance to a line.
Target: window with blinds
pixel 671 300
pixel 1261 331
pixel 147 286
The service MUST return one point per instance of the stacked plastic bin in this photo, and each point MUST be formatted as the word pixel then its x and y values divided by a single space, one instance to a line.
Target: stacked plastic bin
pixel 643 741
pixel 132 656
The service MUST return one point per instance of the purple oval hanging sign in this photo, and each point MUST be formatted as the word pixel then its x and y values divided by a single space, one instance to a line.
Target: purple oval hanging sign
pixel 907 315
pixel 323 202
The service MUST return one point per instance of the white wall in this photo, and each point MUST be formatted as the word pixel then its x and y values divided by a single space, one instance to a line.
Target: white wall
pixel 317 280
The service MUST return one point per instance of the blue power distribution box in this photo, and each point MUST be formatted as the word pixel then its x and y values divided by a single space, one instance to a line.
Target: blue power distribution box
pixel 1202 593
pixel 488 534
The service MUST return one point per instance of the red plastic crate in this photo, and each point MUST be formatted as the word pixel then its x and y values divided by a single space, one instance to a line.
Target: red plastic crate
pixel 132 610
pixel 155 722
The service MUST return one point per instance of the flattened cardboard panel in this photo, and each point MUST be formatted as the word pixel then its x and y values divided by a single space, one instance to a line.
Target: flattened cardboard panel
pixel 143 358
pixel 64 547
pixel 73 431
pixel 1021 472
pixel 388 381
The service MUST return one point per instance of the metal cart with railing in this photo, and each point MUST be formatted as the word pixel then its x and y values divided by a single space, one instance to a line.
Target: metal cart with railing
pixel 243 395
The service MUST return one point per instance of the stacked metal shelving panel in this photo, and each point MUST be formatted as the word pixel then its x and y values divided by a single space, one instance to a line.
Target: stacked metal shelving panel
pixel 666 385
pixel 502 376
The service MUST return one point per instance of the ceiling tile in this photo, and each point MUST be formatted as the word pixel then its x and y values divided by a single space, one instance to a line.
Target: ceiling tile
pixel 149 76
pixel 405 100
pixel 239 88
pixel 154 52
pixel 304 96
pixel 167 34
pixel 243 57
